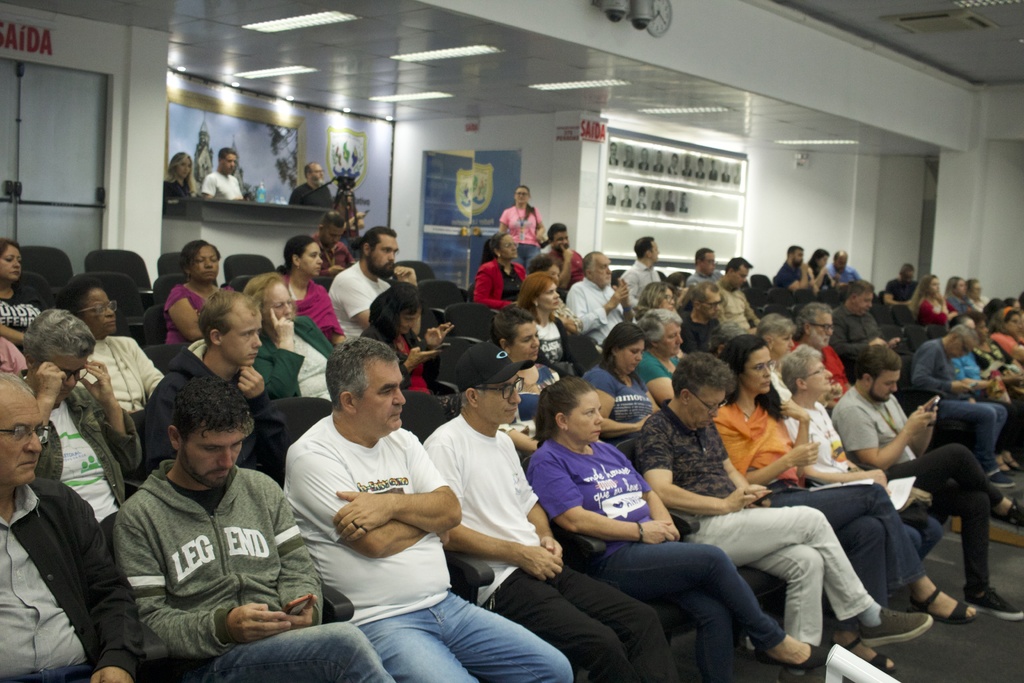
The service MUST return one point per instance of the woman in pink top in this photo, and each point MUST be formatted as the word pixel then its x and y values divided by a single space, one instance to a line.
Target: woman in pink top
pixel 524 223
pixel 200 262
pixel 302 262
pixel 928 304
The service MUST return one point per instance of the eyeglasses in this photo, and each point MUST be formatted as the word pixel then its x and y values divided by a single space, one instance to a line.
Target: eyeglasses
pixel 99 309
pixel 764 368
pixel 816 372
pixel 712 409
pixel 506 389
pixel 827 328
pixel 21 432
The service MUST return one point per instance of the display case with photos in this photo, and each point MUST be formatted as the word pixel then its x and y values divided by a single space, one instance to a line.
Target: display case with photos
pixel 687 194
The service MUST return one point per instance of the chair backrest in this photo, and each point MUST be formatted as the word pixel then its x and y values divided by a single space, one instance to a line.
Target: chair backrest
pixel 756 297
pixel 471 320
pixel 324 281
pixel 936 331
pixel 782 310
pixel 246 264
pixel 422 414
pixel 164 284
pixel 439 294
pixel 121 288
pixel 449 358
pixel 781 296
pixel 239 282
pixel 301 413
pixel 584 351
pixel 830 297
pixel 120 261
pixel 50 262
pixel 423 270
pixel 154 326
pixel 169 264
pixel 890 331
pixel 902 315
pixel 40 284
pixel 759 281
pixel 628 448
pixel 916 335
pixel 882 314
pixel 161 355
pixel 804 296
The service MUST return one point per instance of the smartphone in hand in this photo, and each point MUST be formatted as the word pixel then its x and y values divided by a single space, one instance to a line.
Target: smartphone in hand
pixel 295 607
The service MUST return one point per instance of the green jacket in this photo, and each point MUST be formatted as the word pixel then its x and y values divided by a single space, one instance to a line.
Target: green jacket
pixel 280 368
pixel 118 453
pixel 189 569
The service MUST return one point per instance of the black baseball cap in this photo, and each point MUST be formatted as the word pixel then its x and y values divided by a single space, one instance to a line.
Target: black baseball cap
pixel 485 363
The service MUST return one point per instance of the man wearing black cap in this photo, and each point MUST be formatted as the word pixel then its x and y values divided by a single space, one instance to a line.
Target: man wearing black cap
pixel 614 637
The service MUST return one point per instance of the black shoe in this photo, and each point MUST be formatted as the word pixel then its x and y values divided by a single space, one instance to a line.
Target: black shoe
pixel 1014 515
pixel 817 659
pixel 990 603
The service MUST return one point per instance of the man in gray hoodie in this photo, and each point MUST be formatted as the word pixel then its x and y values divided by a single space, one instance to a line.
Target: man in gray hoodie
pixel 219 569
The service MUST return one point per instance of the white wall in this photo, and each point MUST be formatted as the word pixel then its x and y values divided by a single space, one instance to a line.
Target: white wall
pixel 901 182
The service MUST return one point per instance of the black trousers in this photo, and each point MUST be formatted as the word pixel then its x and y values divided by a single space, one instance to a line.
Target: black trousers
pixel 960 488
pixel 611 635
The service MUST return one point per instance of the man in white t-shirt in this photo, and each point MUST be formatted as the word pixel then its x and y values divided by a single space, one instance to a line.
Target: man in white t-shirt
pixel 611 635
pixel 354 289
pixel 372 508
pixel 222 184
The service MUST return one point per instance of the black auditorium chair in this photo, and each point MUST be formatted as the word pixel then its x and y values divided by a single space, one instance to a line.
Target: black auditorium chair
pixel 239 282
pixel 757 298
pixel 439 294
pixel 804 296
pixel 422 269
pixel 168 264
pixel 450 355
pixel 584 351
pixel 422 414
pixel 830 297
pixel 882 314
pixel 301 413
pixel 903 316
pixel 40 284
pixel 154 325
pixel 161 355
pixel 324 281
pixel 163 285
pixel 246 264
pixel 936 331
pixel 915 336
pixel 471 320
pixel 781 296
pixel 120 261
pixel 759 281
pixel 50 262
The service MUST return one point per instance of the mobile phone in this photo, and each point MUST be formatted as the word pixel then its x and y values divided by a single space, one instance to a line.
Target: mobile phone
pixel 935 404
pixel 295 607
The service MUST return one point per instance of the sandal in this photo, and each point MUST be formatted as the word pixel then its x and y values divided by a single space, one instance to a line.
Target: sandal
pixel 957 617
pixel 879 661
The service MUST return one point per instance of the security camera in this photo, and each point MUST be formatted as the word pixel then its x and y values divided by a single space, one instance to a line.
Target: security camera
pixel 615 10
pixel 641 13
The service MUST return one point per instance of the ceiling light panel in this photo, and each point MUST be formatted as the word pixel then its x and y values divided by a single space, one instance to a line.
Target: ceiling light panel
pixel 966 4
pixel 412 97
pixel 816 142
pixel 685 110
pixel 304 21
pixel 279 71
pixel 579 85
pixel 448 53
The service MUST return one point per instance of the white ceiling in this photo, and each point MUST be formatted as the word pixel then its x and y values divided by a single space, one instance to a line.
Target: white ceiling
pixel 353 64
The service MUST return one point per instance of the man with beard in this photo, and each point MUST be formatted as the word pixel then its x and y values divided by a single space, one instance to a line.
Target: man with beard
pixel 354 289
pixel 334 253
pixel 794 273
pixel 313 192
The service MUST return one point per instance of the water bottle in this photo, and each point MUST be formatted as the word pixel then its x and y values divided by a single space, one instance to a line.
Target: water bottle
pixel 261 194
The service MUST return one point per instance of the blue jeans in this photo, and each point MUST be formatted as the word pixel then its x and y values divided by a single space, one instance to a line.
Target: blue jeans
pixel 988 420
pixel 925 539
pixel 79 673
pixel 525 252
pixel 331 652
pixel 703 581
pixel 455 641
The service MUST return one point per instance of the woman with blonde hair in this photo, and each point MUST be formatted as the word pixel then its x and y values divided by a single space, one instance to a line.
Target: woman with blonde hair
pixel 178 180
pixel 928 305
pixel 655 295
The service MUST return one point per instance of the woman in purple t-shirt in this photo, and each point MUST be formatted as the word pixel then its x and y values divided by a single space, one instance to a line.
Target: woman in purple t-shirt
pixel 524 223
pixel 589 487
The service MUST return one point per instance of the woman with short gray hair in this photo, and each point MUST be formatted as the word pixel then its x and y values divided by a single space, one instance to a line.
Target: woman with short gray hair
pixel 777 331
pixel 93 439
pixel 662 339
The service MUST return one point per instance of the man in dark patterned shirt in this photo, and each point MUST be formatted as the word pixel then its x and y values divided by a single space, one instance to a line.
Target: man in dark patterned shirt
pixel 681 455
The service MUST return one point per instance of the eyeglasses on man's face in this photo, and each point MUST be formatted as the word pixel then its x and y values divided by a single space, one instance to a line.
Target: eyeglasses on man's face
pixel 21 432
pixel 712 408
pixel 506 389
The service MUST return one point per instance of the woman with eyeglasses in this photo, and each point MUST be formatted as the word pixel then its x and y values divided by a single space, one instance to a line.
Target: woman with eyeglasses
pixel 625 403
pixel 500 276
pixel 92 442
pixel 19 303
pixel 132 374
pixel 523 222
pixel 293 357
pixel 777 332
pixel 587 486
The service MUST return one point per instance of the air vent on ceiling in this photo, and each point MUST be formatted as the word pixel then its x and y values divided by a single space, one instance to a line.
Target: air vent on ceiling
pixel 940 22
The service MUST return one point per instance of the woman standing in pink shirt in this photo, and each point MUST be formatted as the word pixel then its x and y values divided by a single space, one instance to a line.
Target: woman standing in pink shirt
pixel 523 222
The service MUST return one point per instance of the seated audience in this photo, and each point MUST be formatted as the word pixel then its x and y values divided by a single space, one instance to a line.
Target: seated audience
pixel 395 319
pixel 599 306
pixel 542 263
pixel 841 273
pixel 683 458
pixel 200 262
pixel 900 290
pixel 699 323
pixel 1006 383
pixel 572 475
pixel 132 374
pixel 877 433
pixel 383 551
pixel 79 624
pixel 625 404
pixel 853 326
pixel 334 253
pixel 301 264
pixel 293 352
pixel 777 332
pixel 662 344
pixel 821 277
pixel 975 299
pixel 794 273
pixel 230 326
pixel 956 295
pixel 928 305
pixel 735 308
pixel 653 296
pixel 614 637
pixel 313 192
pixel 500 276
pixel 814 328
pixel 933 371
pixel 642 272
pixel 11 358
pixel 1007 330
pixel 539 296
pixel 354 290
pixel 704 268
pixel 94 443
pixel 568 261
pixel 19 304
pixel 247 604
pixel 178 180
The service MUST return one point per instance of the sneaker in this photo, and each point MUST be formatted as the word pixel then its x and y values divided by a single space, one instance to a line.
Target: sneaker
pixel 787 676
pixel 1014 516
pixel 1001 480
pixel 990 603
pixel 896 627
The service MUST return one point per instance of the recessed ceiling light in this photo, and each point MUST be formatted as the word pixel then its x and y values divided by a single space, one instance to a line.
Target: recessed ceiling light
pixel 412 97
pixel 447 53
pixel 685 110
pixel 985 3
pixel 304 21
pixel 346 109
pixel 290 98
pixel 235 84
pixel 389 118
pixel 279 71
pixel 816 142
pixel 577 85
pixel 181 68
